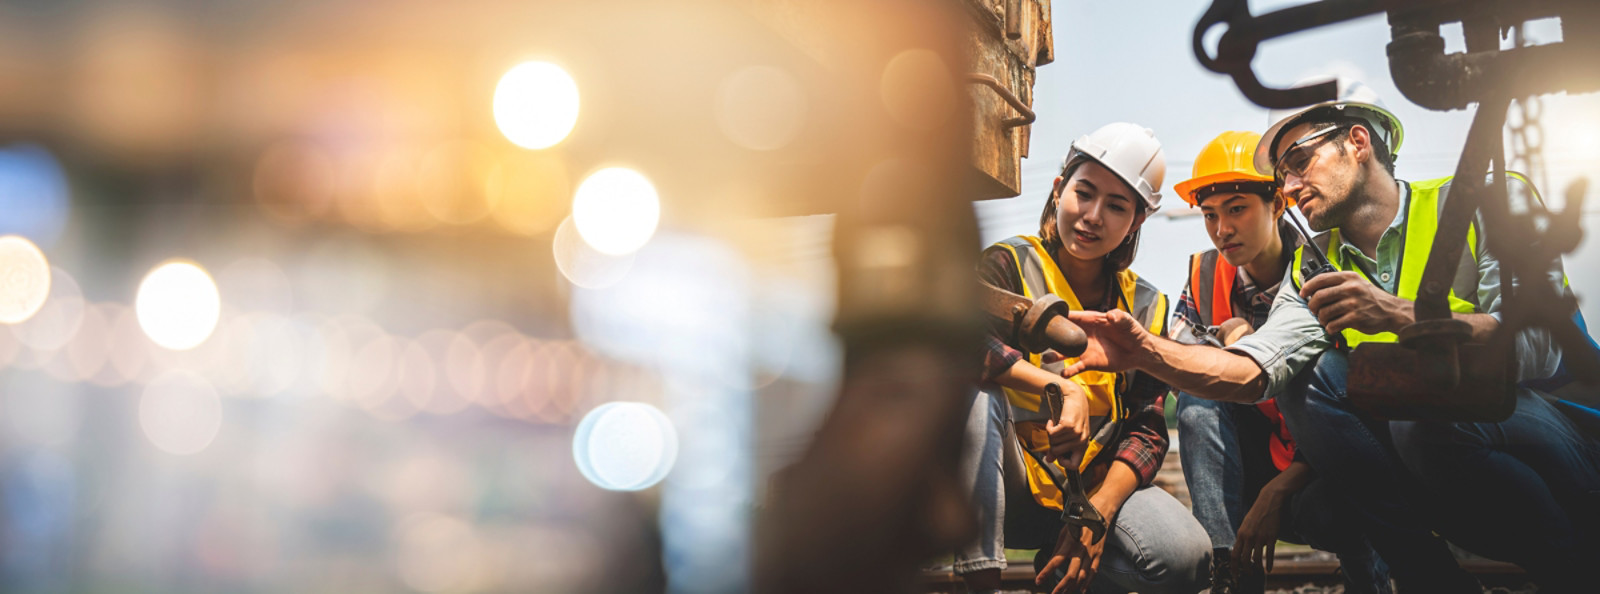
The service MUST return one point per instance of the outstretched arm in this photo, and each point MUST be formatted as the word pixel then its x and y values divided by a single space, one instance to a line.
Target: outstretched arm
pixel 1118 343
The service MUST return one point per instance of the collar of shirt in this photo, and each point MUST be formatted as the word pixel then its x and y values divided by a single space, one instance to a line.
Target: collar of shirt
pixel 1247 287
pixel 1384 270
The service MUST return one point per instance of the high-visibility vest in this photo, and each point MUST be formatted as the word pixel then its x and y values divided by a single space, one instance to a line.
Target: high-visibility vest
pixel 1039 275
pixel 1211 281
pixel 1422 222
pixel 1421 225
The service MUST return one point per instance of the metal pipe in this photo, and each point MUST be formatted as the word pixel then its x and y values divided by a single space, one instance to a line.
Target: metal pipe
pixel 1010 98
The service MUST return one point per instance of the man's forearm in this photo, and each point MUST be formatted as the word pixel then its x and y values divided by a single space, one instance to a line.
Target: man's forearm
pixel 1204 371
pixel 1482 325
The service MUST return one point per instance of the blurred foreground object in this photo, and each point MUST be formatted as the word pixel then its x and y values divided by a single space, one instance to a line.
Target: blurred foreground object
pixel 877 492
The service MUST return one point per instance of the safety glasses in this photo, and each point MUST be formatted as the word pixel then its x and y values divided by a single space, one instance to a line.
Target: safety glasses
pixel 1299 156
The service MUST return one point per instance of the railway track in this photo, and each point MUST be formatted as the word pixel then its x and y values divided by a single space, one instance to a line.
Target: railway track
pixel 1288 575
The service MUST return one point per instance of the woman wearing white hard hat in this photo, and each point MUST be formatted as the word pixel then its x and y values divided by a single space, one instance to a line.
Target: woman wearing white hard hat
pixel 1112 427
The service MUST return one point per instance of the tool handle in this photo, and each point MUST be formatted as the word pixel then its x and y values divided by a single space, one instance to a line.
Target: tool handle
pixel 1054 400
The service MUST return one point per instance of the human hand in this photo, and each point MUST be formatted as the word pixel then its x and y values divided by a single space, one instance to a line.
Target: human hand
pixel 1117 342
pixel 1069 430
pixel 1078 554
pixel 1345 299
pixel 1257 541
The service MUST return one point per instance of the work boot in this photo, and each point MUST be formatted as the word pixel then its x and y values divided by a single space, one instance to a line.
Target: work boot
pixel 1251 580
pixel 1224 580
pixel 1222 572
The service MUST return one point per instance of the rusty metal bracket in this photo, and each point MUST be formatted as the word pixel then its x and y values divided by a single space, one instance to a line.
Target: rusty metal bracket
pixel 1033 325
pixel 1010 98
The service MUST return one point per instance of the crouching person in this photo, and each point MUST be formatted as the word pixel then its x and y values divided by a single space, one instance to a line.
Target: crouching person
pixel 1249 486
pixel 1111 426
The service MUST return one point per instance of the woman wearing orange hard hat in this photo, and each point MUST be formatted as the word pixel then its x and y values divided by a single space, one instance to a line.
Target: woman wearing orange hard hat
pixel 1238 459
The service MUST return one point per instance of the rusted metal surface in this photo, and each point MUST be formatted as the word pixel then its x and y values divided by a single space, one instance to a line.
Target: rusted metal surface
pixel 1012 40
pixel 1010 98
pixel 1036 325
pixel 1433 373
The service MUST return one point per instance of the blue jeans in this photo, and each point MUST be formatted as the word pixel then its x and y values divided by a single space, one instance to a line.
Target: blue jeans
pixel 1226 463
pixel 1524 490
pixel 1154 546
pixel 1355 454
pixel 1513 490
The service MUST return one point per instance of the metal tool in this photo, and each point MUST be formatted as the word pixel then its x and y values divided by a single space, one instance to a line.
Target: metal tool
pixel 1075 507
pixel 1318 263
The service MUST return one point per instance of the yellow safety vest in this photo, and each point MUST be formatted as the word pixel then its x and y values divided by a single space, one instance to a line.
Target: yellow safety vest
pixel 1039 275
pixel 1421 225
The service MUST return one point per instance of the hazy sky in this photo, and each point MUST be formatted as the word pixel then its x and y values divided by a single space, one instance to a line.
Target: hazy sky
pixel 1131 61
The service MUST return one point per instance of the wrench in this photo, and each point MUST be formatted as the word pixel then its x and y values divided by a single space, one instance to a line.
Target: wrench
pixel 1076 509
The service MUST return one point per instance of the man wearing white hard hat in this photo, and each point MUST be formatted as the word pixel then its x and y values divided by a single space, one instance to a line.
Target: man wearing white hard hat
pixel 1522 490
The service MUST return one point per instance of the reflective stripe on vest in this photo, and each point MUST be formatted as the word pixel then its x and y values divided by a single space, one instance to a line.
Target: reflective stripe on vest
pixel 1040 275
pixel 1421 225
pixel 1209 274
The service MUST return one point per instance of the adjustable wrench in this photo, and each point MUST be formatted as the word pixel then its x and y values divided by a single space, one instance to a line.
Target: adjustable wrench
pixel 1076 509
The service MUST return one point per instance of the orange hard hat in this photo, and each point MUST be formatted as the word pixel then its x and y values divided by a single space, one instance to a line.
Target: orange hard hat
pixel 1228 158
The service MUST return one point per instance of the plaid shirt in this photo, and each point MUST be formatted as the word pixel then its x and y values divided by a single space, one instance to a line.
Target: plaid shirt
pixel 1143 442
pixel 1249 302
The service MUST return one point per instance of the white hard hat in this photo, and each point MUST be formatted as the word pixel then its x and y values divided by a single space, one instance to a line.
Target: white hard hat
pixel 1131 152
pixel 1353 98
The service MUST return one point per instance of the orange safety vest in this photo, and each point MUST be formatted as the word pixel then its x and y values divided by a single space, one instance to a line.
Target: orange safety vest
pixel 1211 280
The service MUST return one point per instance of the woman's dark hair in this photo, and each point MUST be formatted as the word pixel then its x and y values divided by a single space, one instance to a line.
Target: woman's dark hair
pixel 1120 258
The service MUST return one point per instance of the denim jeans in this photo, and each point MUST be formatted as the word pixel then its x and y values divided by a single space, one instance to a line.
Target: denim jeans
pixel 1154 546
pixel 1524 490
pixel 1226 463
pixel 1479 483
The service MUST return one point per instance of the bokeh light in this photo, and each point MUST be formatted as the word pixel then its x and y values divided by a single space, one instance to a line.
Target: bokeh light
pixel 90 348
pixel 584 266
pixel 178 305
pixel 180 412
pixel 24 279
pixel 279 354
pixel 452 181
pixel 441 397
pixel 917 89
pixel 760 108
pixel 129 350
pixel 625 446
pixel 49 329
pixel 536 104
pixel 616 210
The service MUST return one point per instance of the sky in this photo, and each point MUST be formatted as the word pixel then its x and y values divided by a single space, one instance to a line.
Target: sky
pixel 1131 61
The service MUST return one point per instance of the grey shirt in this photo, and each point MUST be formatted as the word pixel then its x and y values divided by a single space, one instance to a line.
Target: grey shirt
pixel 1292 336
